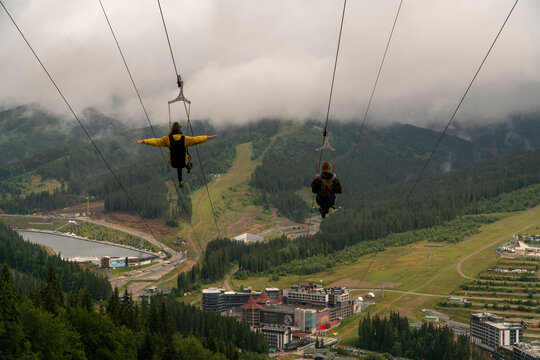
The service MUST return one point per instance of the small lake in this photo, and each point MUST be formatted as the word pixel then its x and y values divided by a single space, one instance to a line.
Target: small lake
pixel 79 249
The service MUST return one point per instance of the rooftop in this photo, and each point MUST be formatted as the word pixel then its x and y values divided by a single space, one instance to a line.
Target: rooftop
pixel 265 299
pixel 251 305
pixel 495 321
pixel 317 288
pixel 532 348
pixel 212 291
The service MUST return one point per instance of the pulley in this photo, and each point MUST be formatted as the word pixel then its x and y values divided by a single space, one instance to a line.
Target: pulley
pixel 325 146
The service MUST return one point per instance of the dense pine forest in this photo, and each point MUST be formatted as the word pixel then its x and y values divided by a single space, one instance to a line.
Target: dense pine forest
pixel 31 266
pixel 377 171
pixel 394 335
pixel 141 170
pixel 54 309
pixel 384 217
pixel 311 254
pixel 50 325
pixel 365 165
pixel 379 211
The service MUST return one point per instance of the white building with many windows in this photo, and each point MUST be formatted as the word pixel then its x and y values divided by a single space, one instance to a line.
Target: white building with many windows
pixel 491 332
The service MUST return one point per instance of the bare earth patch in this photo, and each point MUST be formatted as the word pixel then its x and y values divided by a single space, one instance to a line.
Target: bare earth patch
pixel 128 220
pixel 243 224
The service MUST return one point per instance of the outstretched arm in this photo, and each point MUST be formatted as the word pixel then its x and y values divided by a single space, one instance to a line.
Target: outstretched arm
pixel 196 140
pixel 161 142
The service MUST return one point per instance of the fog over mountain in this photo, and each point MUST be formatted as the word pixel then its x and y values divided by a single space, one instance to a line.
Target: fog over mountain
pixel 245 60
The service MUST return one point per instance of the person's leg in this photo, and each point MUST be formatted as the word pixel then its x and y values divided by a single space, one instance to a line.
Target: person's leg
pixel 180 183
pixel 324 205
pixel 319 201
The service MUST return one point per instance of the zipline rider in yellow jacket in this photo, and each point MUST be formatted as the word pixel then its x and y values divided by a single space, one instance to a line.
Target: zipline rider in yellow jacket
pixel 177 144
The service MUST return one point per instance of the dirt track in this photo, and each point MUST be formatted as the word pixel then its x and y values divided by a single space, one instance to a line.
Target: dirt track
pixel 502 238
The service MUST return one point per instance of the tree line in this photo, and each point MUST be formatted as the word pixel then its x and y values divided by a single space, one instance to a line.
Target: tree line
pixel 310 254
pixel 380 219
pixel 30 259
pixel 142 172
pixel 51 325
pixel 394 335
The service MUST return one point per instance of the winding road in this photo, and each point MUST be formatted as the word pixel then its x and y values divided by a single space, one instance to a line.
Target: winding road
pixel 502 238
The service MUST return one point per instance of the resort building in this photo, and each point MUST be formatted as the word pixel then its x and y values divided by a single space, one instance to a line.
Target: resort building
pixel 491 332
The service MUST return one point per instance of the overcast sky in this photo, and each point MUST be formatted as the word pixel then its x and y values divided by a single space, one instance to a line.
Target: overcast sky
pixel 243 60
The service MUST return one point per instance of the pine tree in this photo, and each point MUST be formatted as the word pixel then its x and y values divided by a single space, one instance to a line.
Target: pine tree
pixel 152 321
pixel 86 300
pixel 73 300
pixel 113 307
pixel 11 333
pixel 51 296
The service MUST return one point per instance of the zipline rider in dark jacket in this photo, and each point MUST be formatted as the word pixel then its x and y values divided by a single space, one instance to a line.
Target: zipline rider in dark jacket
pixel 325 185
pixel 177 144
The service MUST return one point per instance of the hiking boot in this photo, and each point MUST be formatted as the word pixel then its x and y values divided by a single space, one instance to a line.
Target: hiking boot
pixel 180 184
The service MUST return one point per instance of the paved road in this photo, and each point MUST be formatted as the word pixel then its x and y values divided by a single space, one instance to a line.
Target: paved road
pixel 147 275
pixel 141 279
pixel 137 233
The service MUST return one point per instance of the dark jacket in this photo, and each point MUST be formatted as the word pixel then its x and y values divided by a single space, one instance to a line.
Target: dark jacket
pixel 316 184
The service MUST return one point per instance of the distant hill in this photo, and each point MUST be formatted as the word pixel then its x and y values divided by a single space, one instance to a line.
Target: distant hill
pixel 50 148
pixel 518 134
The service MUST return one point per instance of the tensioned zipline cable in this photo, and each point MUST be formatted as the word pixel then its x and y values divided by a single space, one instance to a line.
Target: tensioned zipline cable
pixel 457 108
pixel 335 64
pixel 79 121
pixel 189 122
pixel 461 100
pixel 148 119
pixel 327 117
pixel 368 107
pixel 375 86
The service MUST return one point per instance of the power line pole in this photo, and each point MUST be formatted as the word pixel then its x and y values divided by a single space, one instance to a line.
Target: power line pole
pixel 382 288
pixel 427 261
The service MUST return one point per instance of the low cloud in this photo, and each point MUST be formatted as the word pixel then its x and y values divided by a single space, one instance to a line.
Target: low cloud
pixel 243 60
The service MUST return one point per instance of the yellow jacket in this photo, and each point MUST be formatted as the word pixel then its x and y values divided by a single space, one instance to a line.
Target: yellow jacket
pixel 164 142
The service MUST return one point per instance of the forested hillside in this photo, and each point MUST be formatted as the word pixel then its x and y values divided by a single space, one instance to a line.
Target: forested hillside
pixel 142 170
pixel 394 335
pixel 436 209
pixel 518 134
pixel 51 325
pixel 48 310
pixel 366 164
pixel 32 267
